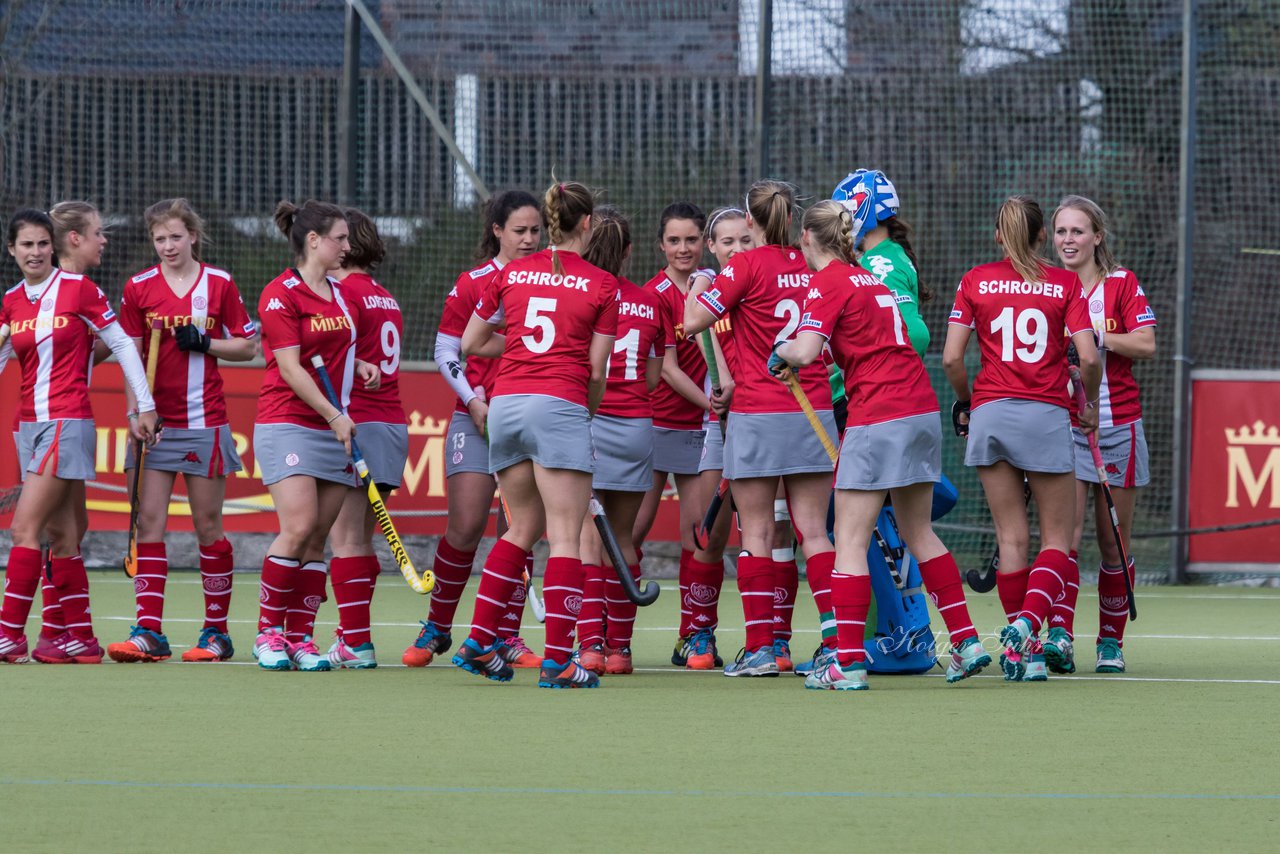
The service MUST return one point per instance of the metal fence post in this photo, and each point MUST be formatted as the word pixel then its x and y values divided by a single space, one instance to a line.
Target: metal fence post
pixel 1183 356
pixel 348 104
pixel 764 85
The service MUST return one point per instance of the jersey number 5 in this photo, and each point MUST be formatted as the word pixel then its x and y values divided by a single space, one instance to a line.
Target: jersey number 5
pixel 542 328
pixel 1031 329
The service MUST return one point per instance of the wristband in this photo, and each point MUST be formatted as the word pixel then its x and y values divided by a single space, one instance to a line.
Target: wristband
pixel 334 418
pixel 131 414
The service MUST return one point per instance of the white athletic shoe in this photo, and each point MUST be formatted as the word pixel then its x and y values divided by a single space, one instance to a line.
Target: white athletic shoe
pixel 306 656
pixel 272 650
pixel 341 656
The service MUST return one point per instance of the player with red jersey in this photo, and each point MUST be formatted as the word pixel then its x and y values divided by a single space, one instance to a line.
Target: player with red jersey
pixel 1015 421
pixel 892 444
pixel 384 442
pixel 726 235
pixel 204 320
pixel 762 291
pixel 680 403
pixel 561 315
pixel 622 434
pixel 42 323
pixel 304 314
pixel 512 230
pixel 1125 327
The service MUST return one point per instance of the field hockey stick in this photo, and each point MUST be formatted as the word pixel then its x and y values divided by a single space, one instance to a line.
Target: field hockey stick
pixel 539 611
pixel 789 377
pixel 419 584
pixel 700 534
pixel 140 457
pixel 985 582
pixel 1096 451
pixel 619 561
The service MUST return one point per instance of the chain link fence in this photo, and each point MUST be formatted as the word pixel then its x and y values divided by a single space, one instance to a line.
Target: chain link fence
pixel 236 104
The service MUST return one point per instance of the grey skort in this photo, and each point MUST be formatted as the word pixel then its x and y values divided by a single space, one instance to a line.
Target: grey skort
pixel 1028 434
pixel 63 448
pixel 891 454
pixel 554 433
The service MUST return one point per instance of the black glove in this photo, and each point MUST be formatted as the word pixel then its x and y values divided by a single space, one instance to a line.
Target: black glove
pixel 1073 356
pixel 960 407
pixel 191 338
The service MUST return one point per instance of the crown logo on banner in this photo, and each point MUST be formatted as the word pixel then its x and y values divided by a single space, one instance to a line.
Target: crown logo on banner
pixel 1258 434
pixel 420 425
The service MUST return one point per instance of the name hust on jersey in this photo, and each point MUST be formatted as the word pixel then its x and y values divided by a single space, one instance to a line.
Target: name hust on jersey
pixel 794 280
pixel 1017 286
pixel 548 280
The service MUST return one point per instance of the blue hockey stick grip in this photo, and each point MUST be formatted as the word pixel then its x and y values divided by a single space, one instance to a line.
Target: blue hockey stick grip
pixel 327 385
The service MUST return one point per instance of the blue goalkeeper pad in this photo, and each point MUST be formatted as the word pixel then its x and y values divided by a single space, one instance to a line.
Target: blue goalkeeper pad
pixel 899 639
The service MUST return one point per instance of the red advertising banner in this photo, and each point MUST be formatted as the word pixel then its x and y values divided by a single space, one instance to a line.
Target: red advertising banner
pixel 418 507
pixel 1235 469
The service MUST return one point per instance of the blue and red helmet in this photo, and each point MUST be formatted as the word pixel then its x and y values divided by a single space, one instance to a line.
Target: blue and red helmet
pixel 870 198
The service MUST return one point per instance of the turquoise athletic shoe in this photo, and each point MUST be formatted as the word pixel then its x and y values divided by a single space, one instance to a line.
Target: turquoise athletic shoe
pixel 272 650
pixel 833 677
pixel 1059 652
pixel 482 661
pixel 1014 638
pixel 804 668
pixel 1110 657
pixel 567 675
pixel 307 656
pixel 1033 655
pixel 968 660
pixel 758 663
pixel 782 654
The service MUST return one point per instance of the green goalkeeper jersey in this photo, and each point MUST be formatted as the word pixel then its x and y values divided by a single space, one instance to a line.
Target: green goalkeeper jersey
pixel 888 262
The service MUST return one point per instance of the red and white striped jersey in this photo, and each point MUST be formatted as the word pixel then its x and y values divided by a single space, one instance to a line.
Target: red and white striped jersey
pixel 761 291
pixel 294 316
pixel 672 410
pixel 883 376
pixel 47 326
pixel 550 319
pixel 379 331
pixel 1118 304
pixel 188 386
pixel 641 337
pixel 1018 325
pixel 459 305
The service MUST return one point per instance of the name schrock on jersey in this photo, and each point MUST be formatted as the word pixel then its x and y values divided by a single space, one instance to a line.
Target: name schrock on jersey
pixel 1118 305
pixel 550 319
pixel 379 331
pixel 188 386
pixel 51 338
pixel 858 314
pixel 294 316
pixel 1019 328
pixel 762 291
pixel 459 305
pixel 672 410
pixel 641 337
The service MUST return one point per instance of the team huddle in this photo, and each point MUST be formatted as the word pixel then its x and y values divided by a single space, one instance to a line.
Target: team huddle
pixel 783 388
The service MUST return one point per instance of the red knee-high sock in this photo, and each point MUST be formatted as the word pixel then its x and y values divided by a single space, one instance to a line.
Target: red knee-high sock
pixel 786 581
pixel 1011 587
pixel 1044 586
pixel 149 583
pixel 308 595
pixel 279 575
pixel 353 579
pixel 1113 602
pixel 72 583
pixel 500 574
pixel 514 615
pixel 621 611
pixel 818 570
pixel 851 599
pixel 452 569
pixel 563 593
pixel 20 581
pixel 1063 615
pixel 941 578
pixel 686 612
pixel 52 622
pixel 217 565
pixel 591 617
pixel 755 583
pixel 703 598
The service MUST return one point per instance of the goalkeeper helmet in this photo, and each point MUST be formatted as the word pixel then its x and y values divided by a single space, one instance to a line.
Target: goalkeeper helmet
pixel 870 198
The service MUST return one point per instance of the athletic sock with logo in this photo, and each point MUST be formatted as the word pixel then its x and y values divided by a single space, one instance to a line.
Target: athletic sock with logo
pixel 149 584
pixel 452 569
pixel 217 572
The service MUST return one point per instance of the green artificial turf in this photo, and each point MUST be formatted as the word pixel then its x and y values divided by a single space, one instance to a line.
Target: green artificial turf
pixel 1178 754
